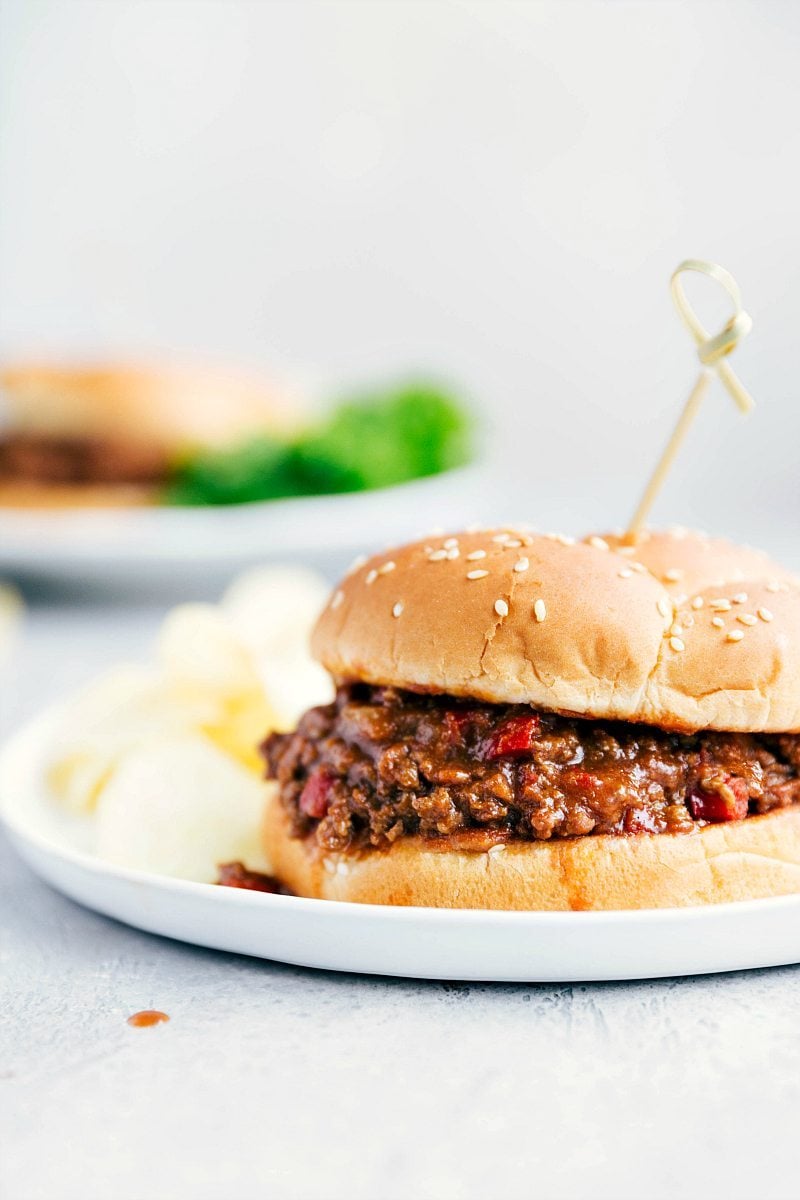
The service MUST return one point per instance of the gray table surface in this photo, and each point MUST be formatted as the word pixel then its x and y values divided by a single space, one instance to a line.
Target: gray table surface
pixel 281 1082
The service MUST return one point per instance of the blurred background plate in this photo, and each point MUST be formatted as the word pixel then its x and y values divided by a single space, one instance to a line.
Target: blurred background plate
pixel 139 547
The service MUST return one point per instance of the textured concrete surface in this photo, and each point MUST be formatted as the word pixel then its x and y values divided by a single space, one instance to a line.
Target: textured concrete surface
pixel 279 1082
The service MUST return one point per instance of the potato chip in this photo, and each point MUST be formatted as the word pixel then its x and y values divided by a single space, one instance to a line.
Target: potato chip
pixel 178 806
pixel 274 608
pixel 197 644
pixel 124 708
pixel 167 757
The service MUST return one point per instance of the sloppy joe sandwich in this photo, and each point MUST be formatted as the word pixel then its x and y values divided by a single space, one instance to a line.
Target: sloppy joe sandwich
pixel 109 435
pixel 529 722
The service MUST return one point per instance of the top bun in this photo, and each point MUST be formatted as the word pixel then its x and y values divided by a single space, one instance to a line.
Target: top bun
pixel 681 631
pixel 169 407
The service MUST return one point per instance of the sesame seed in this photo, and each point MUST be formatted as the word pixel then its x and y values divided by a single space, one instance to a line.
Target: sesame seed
pixel 740 598
pixel 698 602
pixel 448 543
pixel 397 609
pixel 513 544
pixel 675 629
pixel 747 619
pixel 493 851
pixel 453 552
pixel 720 605
pixel 626 550
pixel 765 614
pixel 540 610
pixel 735 635
pixel 676 644
pixel 565 540
pixel 640 568
pixel 337 599
pixel 598 543
pixel 475 555
pixel 501 608
pixel 664 607
pixel 501 538
pixel 437 556
pixel 626 573
pixel 718 622
pixel 477 574
pixel 386 568
pixel 371 576
pixel 773 586
pixel 520 565
pixel 357 563
pixel 679 599
pixel 673 575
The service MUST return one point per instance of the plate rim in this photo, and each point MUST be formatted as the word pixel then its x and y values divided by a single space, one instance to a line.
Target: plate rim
pixel 148 513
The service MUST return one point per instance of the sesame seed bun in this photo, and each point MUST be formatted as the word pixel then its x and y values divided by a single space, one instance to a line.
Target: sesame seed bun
pixel 170 407
pixel 741 860
pixel 138 412
pixel 683 632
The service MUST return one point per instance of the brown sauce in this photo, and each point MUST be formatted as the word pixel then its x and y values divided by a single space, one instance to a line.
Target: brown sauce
pixel 381 764
pixel 236 875
pixel 147 1017
pixel 39 458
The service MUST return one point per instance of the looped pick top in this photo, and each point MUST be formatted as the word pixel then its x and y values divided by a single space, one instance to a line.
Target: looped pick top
pixel 713 351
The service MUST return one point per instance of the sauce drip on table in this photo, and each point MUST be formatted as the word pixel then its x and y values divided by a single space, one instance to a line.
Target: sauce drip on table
pixel 147 1017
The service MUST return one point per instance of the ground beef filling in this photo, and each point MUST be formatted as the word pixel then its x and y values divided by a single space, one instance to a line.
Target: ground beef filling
pixel 37 458
pixel 380 764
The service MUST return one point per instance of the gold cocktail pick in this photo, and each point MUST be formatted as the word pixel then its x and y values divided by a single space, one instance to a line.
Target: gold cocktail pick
pixel 712 350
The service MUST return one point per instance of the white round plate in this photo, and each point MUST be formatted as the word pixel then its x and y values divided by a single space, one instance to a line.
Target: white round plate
pixel 160 542
pixel 418 942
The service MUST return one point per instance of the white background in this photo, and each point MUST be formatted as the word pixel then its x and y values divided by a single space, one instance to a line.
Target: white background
pixel 495 192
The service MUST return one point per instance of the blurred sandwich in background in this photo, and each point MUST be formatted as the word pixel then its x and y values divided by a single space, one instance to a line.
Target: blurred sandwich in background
pixel 105 435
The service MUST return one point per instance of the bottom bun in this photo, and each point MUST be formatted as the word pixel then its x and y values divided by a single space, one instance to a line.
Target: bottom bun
pixel 78 495
pixel 743 860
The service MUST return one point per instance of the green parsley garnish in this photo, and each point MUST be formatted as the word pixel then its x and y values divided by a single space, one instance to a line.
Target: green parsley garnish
pixel 372 442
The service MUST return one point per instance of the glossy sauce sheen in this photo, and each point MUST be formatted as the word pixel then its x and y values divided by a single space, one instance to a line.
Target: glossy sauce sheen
pixel 380 764
pixel 147 1017
pixel 236 875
